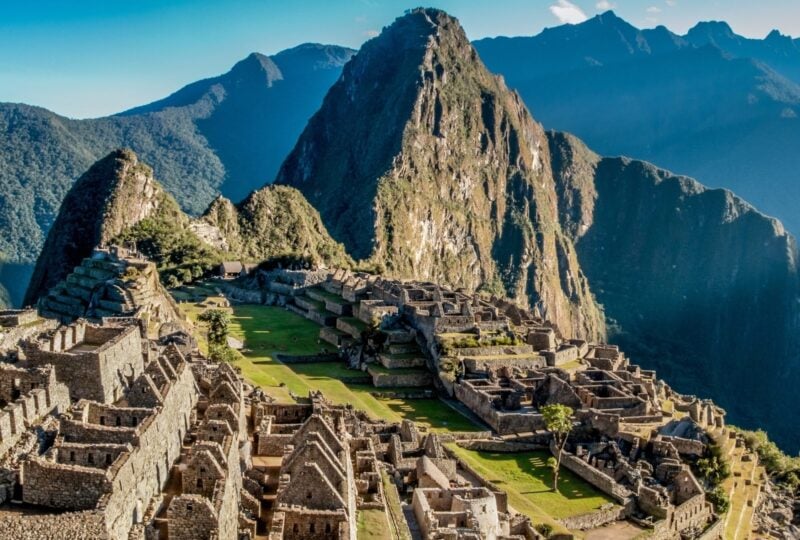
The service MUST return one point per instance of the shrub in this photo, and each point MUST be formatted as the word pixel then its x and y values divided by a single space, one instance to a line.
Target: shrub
pixel 545 529
pixel 719 499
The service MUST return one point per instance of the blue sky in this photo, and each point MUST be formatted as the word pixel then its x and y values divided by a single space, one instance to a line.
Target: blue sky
pixel 86 58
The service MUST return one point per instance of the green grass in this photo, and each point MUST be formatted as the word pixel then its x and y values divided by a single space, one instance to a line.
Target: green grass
pixel 268 330
pixel 527 480
pixel 330 296
pixel 372 524
pixel 397 523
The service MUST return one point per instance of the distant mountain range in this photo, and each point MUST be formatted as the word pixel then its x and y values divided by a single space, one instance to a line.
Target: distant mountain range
pixel 226 134
pixel 710 104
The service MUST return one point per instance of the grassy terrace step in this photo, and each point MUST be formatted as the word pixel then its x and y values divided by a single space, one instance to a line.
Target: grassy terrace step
pixel 309 304
pixel 322 295
pixel 351 325
pixel 411 377
pixel 403 348
pixel 377 368
pixel 404 360
pixel 334 336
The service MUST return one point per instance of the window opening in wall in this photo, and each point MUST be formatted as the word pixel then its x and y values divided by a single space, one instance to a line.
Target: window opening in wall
pixel 312 528
pixel 200 483
pixel 119 421
pixel 72 456
pixel 108 459
pixel 90 458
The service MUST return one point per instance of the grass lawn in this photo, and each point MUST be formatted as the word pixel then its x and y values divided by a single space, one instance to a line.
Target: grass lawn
pixel 527 480
pixel 267 330
pixel 373 524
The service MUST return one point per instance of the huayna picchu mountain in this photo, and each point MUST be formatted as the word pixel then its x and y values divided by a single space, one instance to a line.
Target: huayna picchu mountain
pixel 225 134
pixel 425 163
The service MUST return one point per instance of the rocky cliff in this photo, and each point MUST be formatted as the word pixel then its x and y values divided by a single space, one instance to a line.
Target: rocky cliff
pixel 117 192
pixel 696 283
pixel 425 163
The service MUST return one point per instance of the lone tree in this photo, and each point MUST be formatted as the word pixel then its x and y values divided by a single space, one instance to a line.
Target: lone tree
pixel 217 321
pixel 558 419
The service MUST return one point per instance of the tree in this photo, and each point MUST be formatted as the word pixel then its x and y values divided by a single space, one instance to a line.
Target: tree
pixel 719 499
pixel 558 419
pixel 217 320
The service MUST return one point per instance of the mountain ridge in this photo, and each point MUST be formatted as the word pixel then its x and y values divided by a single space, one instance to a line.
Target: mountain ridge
pixel 726 112
pixel 228 139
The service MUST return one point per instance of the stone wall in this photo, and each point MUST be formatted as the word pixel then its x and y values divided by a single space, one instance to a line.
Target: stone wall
pixel 71 525
pixel 502 422
pixel 124 490
pixel 598 518
pixel 93 361
pixel 10 336
pixel 598 479
pixel 30 408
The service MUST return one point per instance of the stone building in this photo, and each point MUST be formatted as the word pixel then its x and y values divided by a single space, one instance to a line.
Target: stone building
pixel 96 362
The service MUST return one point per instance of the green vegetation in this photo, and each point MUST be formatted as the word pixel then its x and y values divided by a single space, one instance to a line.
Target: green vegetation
pixel 527 479
pixel 715 467
pixel 450 342
pixel 372 524
pixel 196 143
pixel 217 322
pixel 397 523
pixel 783 468
pixel 558 419
pixel 544 529
pixel 276 223
pixel 165 238
pixel 719 499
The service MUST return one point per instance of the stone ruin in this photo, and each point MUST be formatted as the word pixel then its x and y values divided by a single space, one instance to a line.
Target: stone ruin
pixel 112 282
pixel 105 433
pixel 635 437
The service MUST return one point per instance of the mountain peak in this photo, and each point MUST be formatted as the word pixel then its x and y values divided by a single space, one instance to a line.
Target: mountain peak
pixel 316 55
pixel 116 192
pixel 712 30
pixel 414 144
pixel 256 67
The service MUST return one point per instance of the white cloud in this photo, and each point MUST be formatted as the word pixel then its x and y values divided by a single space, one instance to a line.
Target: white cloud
pixel 654 9
pixel 605 5
pixel 371 33
pixel 567 12
pixel 672 3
